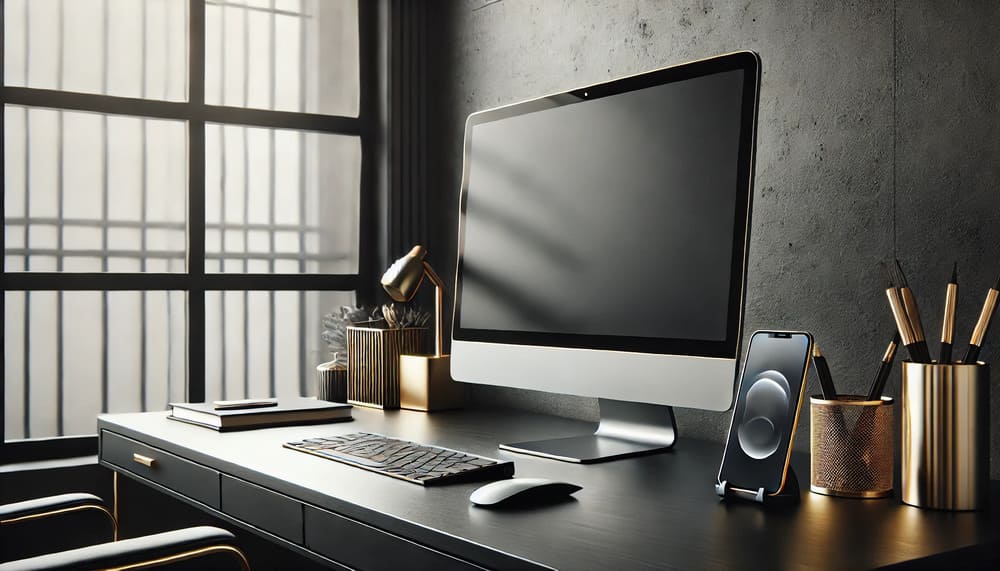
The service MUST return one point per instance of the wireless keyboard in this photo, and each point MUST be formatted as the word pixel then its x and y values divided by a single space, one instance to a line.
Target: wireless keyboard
pixel 410 461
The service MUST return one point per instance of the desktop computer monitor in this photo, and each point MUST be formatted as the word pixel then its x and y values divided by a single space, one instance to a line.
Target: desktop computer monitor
pixel 603 245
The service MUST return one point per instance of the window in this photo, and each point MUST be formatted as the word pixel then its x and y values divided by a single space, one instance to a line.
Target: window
pixel 185 194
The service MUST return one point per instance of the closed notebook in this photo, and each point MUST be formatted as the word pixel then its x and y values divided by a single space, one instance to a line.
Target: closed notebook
pixel 294 410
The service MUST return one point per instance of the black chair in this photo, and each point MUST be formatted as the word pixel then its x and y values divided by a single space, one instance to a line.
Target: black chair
pixel 71 519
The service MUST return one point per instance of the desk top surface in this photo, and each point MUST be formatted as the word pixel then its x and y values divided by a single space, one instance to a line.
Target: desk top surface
pixel 656 511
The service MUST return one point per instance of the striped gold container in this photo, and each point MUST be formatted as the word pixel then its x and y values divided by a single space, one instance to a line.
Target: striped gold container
pixel 946 435
pixel 331 382
pixel 373 363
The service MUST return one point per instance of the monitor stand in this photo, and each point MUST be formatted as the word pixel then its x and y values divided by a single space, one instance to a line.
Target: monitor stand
pixel 626 429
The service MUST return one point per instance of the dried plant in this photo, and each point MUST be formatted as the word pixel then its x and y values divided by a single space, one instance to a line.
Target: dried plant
pixel 404 316
pixel 335 329
pixel 335 324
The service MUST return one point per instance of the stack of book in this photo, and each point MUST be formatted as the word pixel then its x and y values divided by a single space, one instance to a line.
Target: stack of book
pixel 259 413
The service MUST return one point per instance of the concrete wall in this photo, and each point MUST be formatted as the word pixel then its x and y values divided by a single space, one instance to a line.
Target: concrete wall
pixel 868 109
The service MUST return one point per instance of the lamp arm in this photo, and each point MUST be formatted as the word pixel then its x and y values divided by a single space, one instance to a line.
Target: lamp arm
pixel 438 309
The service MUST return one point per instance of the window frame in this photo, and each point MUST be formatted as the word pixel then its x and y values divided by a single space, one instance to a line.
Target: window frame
pixel 195 282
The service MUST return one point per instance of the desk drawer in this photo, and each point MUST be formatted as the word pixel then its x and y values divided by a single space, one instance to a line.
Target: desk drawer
pixel 364 547
pixel 182 476
pixel 263 508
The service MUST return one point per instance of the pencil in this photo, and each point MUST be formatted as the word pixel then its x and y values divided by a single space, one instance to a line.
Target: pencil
pixel 983 324
pixel 948 323
pixel 913 314
pixel 823 372
pixel 885 366
pixel 899 315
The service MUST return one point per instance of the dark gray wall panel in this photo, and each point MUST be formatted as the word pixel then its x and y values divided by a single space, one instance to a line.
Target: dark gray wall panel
pixel 948 160
pixel 830 149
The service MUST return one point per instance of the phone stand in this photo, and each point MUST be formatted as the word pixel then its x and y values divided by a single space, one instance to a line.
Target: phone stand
pixel 788 495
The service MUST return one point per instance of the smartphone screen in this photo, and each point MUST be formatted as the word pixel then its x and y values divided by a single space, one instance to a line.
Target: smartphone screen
pixel 766 409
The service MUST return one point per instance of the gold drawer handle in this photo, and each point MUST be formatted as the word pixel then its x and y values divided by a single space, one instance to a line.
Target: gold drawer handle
pixel 144 460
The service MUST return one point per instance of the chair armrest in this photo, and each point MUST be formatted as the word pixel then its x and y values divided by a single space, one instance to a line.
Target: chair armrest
pixel 51 505
pixel 139 552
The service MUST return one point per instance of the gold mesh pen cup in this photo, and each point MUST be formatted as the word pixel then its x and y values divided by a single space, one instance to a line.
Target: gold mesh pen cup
pixel 852 446
pixel 946 436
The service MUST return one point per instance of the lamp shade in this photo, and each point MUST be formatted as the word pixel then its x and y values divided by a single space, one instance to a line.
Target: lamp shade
pixel 404 276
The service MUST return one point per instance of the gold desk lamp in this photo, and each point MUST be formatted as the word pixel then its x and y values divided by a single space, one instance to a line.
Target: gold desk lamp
pixel 424 380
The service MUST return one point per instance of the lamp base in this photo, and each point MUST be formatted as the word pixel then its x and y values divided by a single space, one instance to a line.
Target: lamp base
pixel 425 383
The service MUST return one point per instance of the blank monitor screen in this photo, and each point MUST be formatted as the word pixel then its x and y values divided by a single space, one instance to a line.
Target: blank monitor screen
pixel 611 217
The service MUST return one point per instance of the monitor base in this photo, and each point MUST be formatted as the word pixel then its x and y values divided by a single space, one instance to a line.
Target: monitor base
pixel 626 429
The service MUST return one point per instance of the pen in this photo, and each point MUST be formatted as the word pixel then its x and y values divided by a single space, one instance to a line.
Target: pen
pixel 243 403
pixel 948 323
pixel 912 313
pixel 823 372
pixel 982 324
pixel 878 383
pixel 899 314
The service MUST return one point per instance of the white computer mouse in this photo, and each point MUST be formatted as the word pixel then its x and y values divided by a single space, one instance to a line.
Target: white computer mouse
pixel 522 491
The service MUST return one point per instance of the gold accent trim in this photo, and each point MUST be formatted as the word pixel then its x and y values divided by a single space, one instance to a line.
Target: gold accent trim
pixel 913 313
pixel 851 400
pixel 98 507
pixel 984 317
pixel 865 495
pixel 114 499
pixel 948 325
pixel 899 314
pixel 189 555
pixel 795 423
pixel 144 460
pixel 438 309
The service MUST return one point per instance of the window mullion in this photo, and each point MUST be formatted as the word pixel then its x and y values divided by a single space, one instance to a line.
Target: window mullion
pixel 54 281
pixel 196 205
pixel 373 229
pixel 156 109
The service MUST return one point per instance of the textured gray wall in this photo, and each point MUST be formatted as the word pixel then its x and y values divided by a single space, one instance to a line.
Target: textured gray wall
pixel 867 109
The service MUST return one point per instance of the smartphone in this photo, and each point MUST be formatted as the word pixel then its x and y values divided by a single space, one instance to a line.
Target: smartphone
pixel 772 386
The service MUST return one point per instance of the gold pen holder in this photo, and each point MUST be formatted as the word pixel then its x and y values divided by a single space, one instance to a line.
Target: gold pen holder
pixel 852 446
pixel 946 450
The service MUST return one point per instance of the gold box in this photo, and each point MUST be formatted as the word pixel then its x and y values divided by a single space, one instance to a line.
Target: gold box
pixel 425 383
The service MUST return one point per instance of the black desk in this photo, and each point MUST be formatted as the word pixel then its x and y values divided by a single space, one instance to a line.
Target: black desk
pixel 656 511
